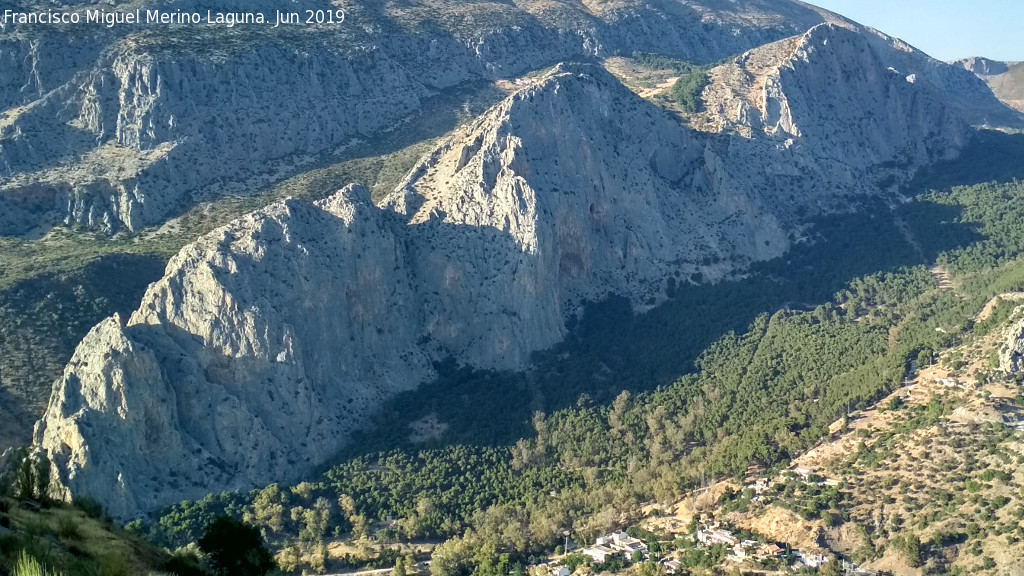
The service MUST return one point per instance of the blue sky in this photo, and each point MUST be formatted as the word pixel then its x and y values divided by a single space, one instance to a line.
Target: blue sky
pixel 945 29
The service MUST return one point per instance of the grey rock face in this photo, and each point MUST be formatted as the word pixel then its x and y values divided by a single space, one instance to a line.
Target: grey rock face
pixel 168 126
pixel 254 357
pixel 34 66
pixel 858 98
pixel 121 132
pixel 1011 356
pixel 270 340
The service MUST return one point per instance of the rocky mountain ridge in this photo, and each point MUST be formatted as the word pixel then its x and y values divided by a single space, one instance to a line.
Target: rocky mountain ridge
pixel 174 385
pixel 121 129
pixel 270 340
pixel 843 107
pixel 817 75
pixel 983 66
pixel 1006 79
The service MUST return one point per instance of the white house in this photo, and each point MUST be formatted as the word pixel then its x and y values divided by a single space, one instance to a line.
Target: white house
pixel 623 539
pixel 715 536
pixel 811 560
pixel 803 472
pixel 598 553
pixel 671 566
pixel 620 542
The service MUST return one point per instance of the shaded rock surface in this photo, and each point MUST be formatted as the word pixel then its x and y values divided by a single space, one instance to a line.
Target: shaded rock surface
pixel 261 348
pixel 269 341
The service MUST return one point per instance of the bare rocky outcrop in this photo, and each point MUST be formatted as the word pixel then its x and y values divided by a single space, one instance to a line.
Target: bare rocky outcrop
pixel 1011 356
pixel 110 131
pixel 166 127
pixel 270 340
pixel 983 66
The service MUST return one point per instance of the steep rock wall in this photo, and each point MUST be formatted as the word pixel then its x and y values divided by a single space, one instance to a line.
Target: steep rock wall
pixel 262 347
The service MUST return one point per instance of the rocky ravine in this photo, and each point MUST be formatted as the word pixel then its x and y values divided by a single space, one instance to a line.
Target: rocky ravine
pixel 112 131
pixel 270 340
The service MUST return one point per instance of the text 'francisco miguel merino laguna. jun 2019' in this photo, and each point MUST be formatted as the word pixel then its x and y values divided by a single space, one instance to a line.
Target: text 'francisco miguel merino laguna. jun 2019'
pixel 139 17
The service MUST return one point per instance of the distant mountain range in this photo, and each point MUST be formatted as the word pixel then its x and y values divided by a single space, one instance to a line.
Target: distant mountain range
pixel 122 128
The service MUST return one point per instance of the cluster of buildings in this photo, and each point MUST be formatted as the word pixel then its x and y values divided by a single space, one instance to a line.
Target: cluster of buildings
pixel 624 543
pixel 740 551
pixel 803 560
pixel 621 543
pixel 614 543
pixel 712 534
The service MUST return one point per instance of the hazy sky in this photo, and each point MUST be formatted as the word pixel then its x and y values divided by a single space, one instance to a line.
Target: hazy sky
pixel 945 29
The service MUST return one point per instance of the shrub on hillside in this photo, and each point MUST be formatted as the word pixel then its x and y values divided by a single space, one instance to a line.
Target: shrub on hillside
pixel 29 566
pixel 236 548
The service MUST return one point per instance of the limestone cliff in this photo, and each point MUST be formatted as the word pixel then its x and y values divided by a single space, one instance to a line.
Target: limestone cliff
pixel 262 347
pixel 270 340
pixel 147 129
pixel 983 66
pixel 122 128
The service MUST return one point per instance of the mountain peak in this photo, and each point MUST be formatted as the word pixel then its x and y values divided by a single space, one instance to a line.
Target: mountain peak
pixel 983 66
